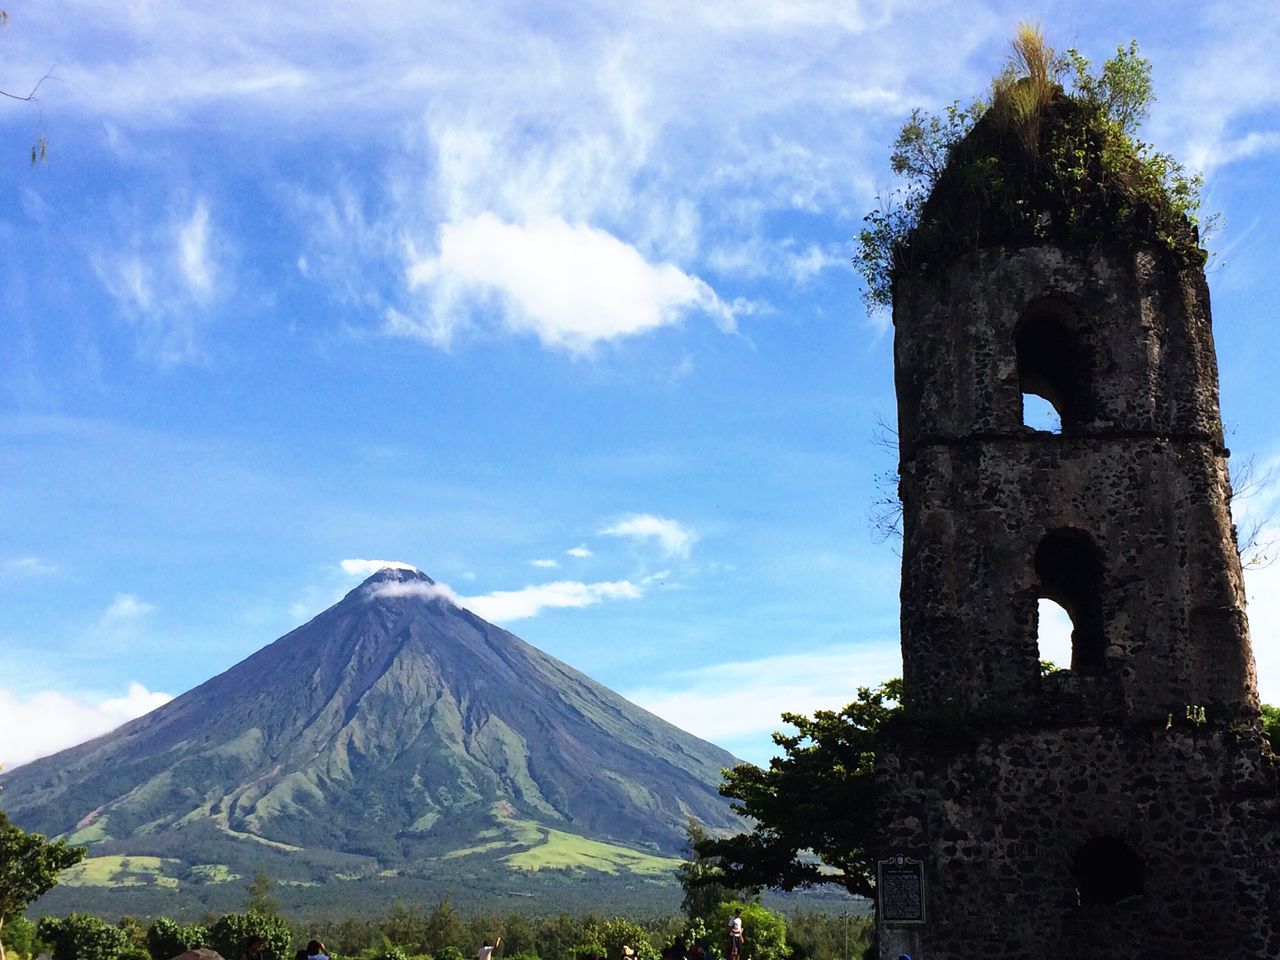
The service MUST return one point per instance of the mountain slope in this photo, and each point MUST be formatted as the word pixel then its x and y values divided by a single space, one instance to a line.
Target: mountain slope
pixel 394 730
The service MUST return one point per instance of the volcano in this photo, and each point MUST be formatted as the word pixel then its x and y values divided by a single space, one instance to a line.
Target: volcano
pixel 396 733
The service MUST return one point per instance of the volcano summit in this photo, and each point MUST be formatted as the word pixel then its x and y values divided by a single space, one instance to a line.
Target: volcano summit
pixel 394 735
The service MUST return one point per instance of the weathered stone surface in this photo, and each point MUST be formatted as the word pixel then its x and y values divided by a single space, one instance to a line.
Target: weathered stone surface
pixel 1096 811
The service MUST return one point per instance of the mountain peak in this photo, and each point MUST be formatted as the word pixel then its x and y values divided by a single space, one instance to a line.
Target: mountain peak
pixel 398 573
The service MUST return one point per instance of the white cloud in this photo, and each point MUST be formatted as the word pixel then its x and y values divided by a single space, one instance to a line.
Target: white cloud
pixel 746 698
pixel 415 588
pixel 48 721
pixel 546 563
pixel 571 285
pixel 503 605
pixel 125 608
pixel 28 566
pixel 193 251
pixel 164 278
pixel 674 538
pixel 367 568
pixel 580 551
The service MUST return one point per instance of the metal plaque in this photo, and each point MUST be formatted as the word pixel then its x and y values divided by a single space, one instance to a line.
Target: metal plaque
pixel 900 890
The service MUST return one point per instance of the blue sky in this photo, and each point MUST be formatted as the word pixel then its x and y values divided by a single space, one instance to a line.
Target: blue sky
pixel 551 301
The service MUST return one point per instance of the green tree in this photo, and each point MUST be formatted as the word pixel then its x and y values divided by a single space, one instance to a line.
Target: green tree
pixel 167 938
pixel 764 933
pixel 29 868
pixel 442 929
pixel 79 936
pixel 811 806
pixel 19 937
pixel 260 899
pixel 607 938
pixel 230 933
pixel 702 881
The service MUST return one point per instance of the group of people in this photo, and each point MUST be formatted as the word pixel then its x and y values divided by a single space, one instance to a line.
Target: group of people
pixel 315 950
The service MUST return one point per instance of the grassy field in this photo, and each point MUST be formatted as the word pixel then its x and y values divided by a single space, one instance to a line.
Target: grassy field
pixel 569 850
pixel 122 872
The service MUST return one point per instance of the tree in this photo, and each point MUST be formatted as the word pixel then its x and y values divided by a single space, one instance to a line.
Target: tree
pixel 29 868
pixel 260 899
pixel 230 933
pixel 702 880
pixel 79 936
pixel 812 807
pixel 764 933
pixel 19 935
pixel 608 938
pixel 167 938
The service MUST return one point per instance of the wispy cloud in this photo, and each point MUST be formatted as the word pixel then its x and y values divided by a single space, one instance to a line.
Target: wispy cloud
pixel 674 539
pixel 580 551
pixel 28 566
pixel 415 588
pixel 125 608
pixel 48 721
pixel 547 563
pixel 163 276
pixel 501 606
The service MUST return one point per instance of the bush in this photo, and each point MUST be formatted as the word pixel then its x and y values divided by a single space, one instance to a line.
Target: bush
pixel 19 937
pixel 79 936
pixel 389 953
pixel 167 938
pixel 764 933
pixel 229 935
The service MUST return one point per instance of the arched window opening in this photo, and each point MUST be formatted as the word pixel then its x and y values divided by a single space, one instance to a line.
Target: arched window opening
pixel 1107 870
pixel 1053 369
pixel 1053 633
pixel 1069 566
pixel 1039 414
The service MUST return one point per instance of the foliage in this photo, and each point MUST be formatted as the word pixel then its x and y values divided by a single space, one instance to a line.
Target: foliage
pixel 702 880
pixel 19 937
pixel 29 868
pixel 1271 724
pixel 167 938
pixel 1036 161
pixel 390 953
pixel 812 806
pixel 607 939
pixel 764 933
pixel 231 932
pixel 79 936
pixel 260 898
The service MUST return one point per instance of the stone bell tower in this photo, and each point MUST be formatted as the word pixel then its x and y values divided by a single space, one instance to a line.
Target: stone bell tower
pixel 1125 805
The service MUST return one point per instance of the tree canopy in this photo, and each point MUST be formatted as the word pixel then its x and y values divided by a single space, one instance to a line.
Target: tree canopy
pixel 29 868
pixel 812 807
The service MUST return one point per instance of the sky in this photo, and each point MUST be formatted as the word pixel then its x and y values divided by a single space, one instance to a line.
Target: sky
pixel 553 302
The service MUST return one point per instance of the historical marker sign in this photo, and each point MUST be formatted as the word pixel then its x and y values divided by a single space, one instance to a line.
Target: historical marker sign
pixel 900 890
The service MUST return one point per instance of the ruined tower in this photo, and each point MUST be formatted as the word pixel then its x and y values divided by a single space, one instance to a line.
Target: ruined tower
pixel 1127 804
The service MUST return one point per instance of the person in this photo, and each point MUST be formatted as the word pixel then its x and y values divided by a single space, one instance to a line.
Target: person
pixel 316 951
pixel 252 949
pixel 486 952
pixel 735 935
pixel 301 954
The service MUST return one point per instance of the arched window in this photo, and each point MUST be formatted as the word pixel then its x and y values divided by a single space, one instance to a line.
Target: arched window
pixel 1069 567
pixel 1107 870
pixel 1053 369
